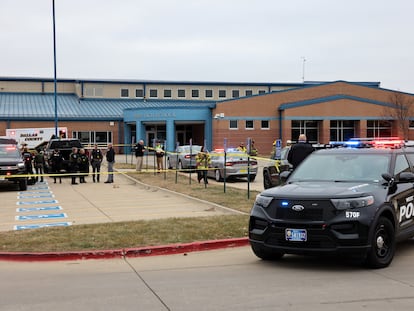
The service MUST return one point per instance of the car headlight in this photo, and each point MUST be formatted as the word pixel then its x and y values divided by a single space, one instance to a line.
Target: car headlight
pixel 263 201
pixel 349 203
pixel 21 166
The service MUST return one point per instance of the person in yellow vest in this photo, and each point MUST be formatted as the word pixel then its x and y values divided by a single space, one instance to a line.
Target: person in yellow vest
pixel 242 147
pixel 203 161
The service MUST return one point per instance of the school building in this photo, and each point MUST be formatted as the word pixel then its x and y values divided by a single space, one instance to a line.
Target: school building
pixel 213 114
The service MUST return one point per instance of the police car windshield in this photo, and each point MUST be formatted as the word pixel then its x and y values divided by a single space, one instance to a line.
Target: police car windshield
pixel 342 167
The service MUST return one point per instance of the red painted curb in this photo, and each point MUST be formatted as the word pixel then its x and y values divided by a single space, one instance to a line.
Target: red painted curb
pixel 129 252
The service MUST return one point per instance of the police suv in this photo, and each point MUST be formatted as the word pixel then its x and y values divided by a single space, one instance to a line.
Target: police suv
pixel 349 201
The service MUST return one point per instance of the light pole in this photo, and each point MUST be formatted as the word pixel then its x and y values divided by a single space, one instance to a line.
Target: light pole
pixel 54 70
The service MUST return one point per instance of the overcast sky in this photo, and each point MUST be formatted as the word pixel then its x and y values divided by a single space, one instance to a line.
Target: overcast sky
pixel 211 40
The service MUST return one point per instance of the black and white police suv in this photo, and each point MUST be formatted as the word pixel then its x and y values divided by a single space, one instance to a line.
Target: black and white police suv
pixel 347 201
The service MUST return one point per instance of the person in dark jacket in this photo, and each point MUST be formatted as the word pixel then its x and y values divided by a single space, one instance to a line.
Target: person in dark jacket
pixel 96 160
pixel 83 165
pixel 299 151
pixel 74 164
pixel 56 161
pixel 110 159
pixel 139 154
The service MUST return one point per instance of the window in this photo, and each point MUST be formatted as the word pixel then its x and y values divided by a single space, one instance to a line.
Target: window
pixel 265 125
pixel 139 93
pixel 307 127
pixel 153 93
pixel 248 92
pixel 233 124
pixel 124 93
pixel 167 93
pixel 94 91
pixel 195 93
pixel 342 130
pixel 262 92
pixel 222 93
pixel 379 128
pixel 181 93
pixel 91 137
pixel 209 93
pixel 235 93
pixel 249 125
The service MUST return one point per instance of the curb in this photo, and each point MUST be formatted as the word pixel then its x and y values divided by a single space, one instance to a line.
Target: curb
pixel 127 252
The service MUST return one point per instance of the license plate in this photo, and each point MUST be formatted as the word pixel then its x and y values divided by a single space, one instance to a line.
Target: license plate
pixel 296 235
pixel 243 171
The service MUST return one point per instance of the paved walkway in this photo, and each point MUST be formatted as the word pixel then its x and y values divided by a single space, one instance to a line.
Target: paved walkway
pixel 49 204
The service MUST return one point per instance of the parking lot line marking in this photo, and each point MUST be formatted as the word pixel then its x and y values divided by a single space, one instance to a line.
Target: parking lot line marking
pixel 36 226
pixel 36 209
pixel 36 202
pixel 44 216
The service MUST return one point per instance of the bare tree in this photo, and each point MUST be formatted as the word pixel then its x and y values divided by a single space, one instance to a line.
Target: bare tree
pixel 401 110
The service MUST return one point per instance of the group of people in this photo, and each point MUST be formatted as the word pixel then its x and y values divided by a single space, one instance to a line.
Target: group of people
pixel 78 164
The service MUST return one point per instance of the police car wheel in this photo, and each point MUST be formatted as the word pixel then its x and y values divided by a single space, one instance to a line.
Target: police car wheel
pixel 382 244
pixel 22 184
pixel 265 254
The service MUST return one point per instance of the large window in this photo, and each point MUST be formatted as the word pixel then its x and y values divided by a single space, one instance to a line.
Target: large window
pixel 89 138
pixel 235 93
pixel 379 128
pixel 248 93
pixel 222 93
pixel 307 127
pixel 94 91
pixel 342 130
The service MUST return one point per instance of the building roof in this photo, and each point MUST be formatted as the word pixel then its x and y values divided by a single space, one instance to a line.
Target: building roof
pixel 35 106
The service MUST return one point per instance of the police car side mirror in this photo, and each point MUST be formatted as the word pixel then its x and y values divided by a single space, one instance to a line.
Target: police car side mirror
pixel 284 176
pixel 387 177
pixel 406 177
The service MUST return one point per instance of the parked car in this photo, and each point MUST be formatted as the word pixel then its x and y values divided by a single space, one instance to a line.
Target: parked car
pixel 271 173
pixel 12 164
pixel 238 164
pixel 344 201
pixel 184 157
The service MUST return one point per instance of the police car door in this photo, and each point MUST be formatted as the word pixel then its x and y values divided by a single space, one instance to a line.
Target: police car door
pixel 403 199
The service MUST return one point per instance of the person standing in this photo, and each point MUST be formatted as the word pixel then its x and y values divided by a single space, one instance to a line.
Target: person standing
pixel 83 165
pixel 299 151
pixel 96 160
pixel 139 154
pixel 74 164
pixel 39 164
pixel 159 154
pixel 28 163
pixel 56 161
pixel 110 158
pixel 203 161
